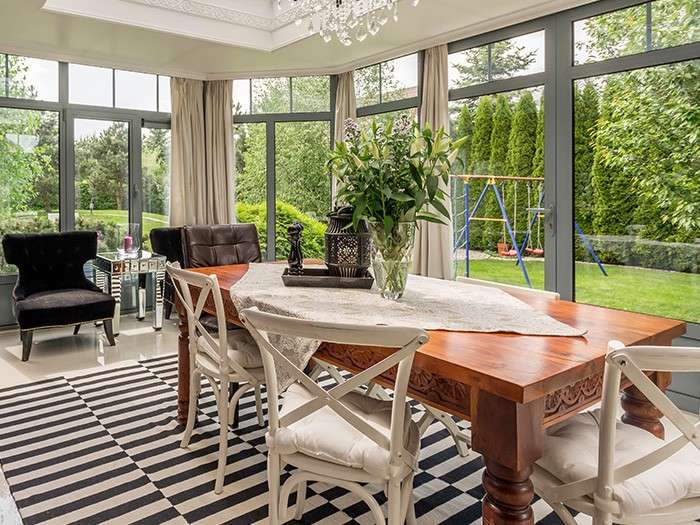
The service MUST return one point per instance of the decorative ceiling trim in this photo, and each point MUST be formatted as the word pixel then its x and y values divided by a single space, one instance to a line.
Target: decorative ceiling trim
pixel 223 14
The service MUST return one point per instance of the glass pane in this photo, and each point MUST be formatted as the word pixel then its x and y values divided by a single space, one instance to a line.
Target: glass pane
pixel 271 95
pixel 637 191
pixel 102 178
pixel 610 35
pixel 400 78
pixel 250 145
pixel 33 78
pixel 367 86
pixel 303 185
pixel 383 118
pixel 90 85
pixel 522 55
pixel 2 75
pixel 469 67
pixel 155 172
pixel 164 105
pixel 311 94
pixel 241 97
pixel 135 90
pixel 505 138
pixel 28 173
pixel 675 22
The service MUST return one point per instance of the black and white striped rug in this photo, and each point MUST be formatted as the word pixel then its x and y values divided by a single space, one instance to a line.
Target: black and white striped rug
pixel 104 448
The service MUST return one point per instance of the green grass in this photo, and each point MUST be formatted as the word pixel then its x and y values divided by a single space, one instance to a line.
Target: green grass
pixel 656 292
pixel 150 220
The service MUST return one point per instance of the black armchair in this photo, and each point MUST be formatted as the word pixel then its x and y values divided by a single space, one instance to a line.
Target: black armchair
pixel 168 242
pixel 52 289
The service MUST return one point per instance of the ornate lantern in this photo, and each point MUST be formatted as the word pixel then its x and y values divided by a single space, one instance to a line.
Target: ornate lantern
pixel 348 252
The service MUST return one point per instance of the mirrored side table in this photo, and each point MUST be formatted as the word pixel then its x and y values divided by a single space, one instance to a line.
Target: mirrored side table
pixel 109 268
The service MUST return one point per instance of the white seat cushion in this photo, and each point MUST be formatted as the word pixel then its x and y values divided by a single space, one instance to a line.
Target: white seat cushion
pixel 571 454
pixel 242 348
pixel 326 436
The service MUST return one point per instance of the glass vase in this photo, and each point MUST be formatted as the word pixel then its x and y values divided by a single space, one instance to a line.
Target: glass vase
pixel 391 258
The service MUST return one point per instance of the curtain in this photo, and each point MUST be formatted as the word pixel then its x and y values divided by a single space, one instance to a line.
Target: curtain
pixel 345 108
pixel 201 187
pixel 432 255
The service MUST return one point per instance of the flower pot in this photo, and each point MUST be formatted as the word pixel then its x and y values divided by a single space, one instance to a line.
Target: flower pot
pixel 391 258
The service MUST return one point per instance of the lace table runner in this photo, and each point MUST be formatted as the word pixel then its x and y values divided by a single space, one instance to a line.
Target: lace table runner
pixel 432 304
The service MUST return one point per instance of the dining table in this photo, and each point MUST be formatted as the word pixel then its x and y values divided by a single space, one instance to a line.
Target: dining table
pixel 510 387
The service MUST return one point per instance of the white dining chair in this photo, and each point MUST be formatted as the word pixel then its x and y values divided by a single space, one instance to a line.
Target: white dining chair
pixel 224 358
pixel 615 472
pixel 510 288
pixel 339 436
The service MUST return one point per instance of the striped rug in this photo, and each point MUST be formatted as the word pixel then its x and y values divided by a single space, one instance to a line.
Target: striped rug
pixel 104 448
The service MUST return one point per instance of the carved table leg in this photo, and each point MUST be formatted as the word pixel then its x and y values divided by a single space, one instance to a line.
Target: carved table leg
pixel 510 436
pixel 183 367
pixel 640 412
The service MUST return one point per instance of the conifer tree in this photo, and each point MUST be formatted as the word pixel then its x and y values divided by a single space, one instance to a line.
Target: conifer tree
pixel 538 160
pixel 586 119
pixel 479 161
pixel 500 134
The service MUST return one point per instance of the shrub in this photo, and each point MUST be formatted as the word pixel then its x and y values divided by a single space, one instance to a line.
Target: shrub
pixel 313 242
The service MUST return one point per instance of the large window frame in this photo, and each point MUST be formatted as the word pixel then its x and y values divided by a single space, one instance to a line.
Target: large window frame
pixel 270 120
pixel 137 119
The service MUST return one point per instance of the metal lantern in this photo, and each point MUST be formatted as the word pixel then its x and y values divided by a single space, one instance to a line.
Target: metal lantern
pixel 348 251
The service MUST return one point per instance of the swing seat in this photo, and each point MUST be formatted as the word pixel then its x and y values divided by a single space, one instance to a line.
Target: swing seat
pixel 535 251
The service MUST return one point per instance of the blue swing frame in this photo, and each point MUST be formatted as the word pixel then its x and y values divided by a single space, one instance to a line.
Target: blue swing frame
pixel 469 216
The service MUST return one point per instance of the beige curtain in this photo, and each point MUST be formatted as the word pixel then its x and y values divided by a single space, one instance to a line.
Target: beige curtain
pixel 432 255
pixel 345 108
pixel 201 187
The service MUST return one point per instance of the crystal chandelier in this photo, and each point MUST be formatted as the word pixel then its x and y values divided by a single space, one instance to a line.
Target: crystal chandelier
pixel 348 20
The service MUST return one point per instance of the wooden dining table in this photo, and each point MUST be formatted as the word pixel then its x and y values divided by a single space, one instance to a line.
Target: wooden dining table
pixel 510 387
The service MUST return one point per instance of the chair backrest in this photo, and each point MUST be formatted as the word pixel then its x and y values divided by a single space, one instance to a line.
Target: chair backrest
pixel 633 362
pixel 207 287
pixel 217 245
pixel 510 288
pixel 50 261
pixel 168 242
pixel 406 340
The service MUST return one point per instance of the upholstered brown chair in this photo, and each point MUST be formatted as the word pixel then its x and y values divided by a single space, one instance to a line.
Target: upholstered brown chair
pixel 52 289
pixel 168 242
pixel 221 244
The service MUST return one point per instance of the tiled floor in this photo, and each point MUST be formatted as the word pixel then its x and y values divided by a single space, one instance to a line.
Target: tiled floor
pixel 56 352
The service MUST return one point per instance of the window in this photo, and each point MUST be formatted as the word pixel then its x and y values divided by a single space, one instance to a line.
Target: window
pixel 271 95
pixel 302 183
pixel 28 173
pixel 241 97
pixel 164 105
pixel 90 85
pixel 637 191
pixel 135 90
pixel 522 55
pixel 29 78
pixel 383 118
pixel 155 175
pixel 386 82
pixel 652 25
pixel 505 139
pixel 101 152
pixel 311 94
pixel 250 144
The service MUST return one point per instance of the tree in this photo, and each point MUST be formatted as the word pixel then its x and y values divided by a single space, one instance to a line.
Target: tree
pixel 481 141
pixel 586 118
pixel 507 59
pixel 462 128
pixel 521 151
pixel 614 198
pixel 538 159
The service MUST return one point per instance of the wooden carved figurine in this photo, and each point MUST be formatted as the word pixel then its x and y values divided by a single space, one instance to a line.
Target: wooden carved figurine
pixel 296 258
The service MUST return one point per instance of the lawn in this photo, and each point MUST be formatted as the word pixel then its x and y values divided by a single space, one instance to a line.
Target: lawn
pixel 669 294
pixel 150 220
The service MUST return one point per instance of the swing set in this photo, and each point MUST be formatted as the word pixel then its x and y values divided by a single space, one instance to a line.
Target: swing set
pixel 534 215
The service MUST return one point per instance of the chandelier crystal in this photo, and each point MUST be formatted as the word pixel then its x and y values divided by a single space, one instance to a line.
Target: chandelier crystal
pixel 347 20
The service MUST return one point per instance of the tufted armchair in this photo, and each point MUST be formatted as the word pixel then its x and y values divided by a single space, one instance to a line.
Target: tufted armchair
pixel 52 289
pixel 217 245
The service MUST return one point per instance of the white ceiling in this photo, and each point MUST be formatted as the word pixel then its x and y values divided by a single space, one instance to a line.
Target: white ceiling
pixel 235 38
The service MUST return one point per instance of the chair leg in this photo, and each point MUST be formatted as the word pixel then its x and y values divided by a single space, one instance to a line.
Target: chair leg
pixel 301 501
pixel 107 324
pixel 195 387
pixel 27 337
pixel 460 437
pixel 258 406
pixel 394 502
pixel 223 436
pixel 273 482
pixel 168 309
pixel 76 329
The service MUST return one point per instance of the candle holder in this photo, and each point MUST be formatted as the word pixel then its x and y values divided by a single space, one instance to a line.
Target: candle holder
pixel 129 239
